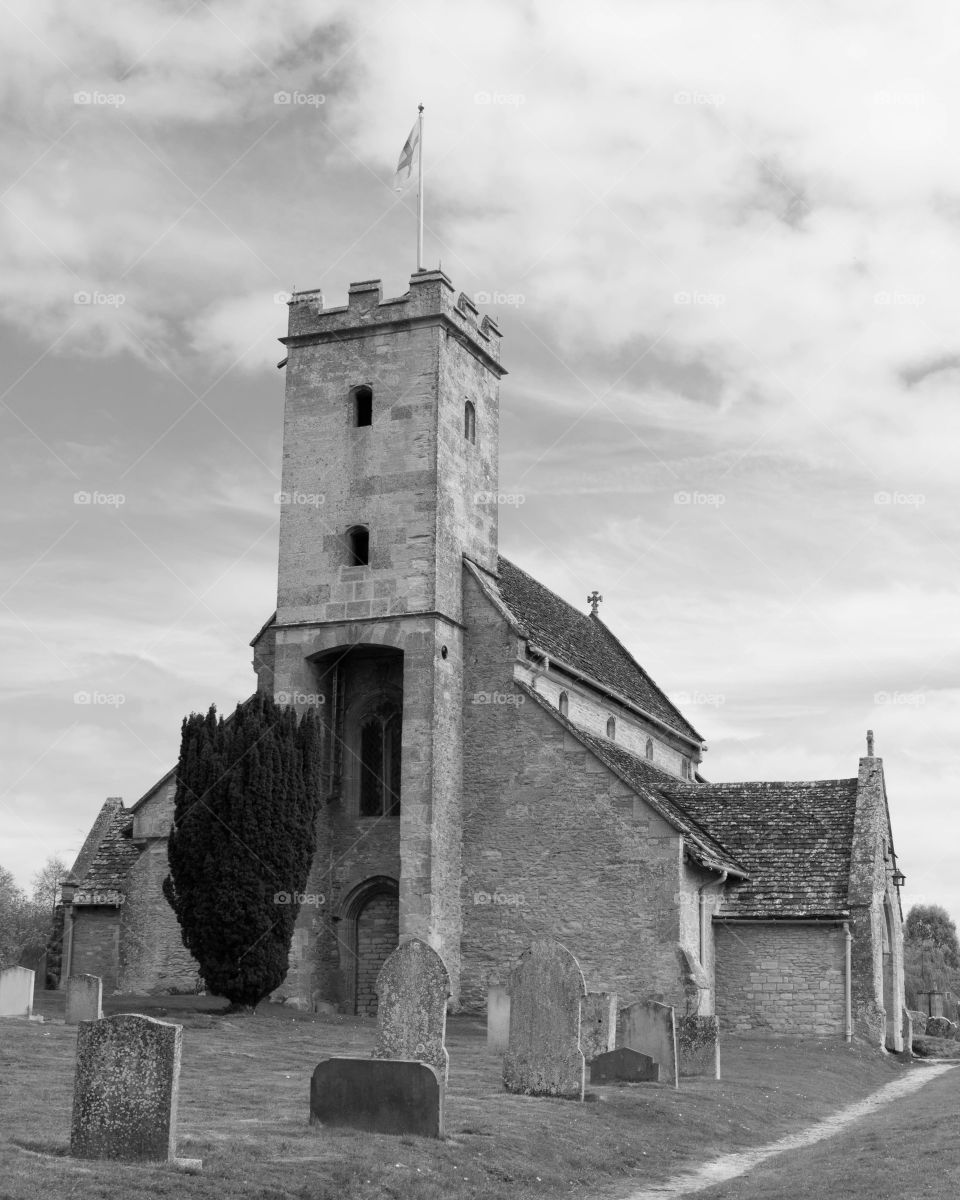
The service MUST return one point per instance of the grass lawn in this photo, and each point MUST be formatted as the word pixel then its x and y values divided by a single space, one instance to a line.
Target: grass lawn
pixel 244 1108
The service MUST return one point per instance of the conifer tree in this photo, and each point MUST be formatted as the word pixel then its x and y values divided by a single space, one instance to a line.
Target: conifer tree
pixel 243 839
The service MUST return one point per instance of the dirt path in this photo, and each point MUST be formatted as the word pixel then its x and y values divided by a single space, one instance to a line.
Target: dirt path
pixel 731 1167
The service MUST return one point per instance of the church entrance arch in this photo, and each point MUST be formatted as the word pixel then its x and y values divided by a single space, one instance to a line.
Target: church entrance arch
pixel 371 914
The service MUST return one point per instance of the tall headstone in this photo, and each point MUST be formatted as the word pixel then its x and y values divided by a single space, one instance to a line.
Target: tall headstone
pixel 125 1089
pixel 651 1028
pixel 598 1024
pixel 412 992
pixel 378 1096
pixel 698 1047
pixel 16 992
pixel 498 1018
pixel 543 1055
pixel 84 999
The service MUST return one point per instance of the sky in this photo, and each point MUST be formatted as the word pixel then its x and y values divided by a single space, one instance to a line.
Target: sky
pixel 721 241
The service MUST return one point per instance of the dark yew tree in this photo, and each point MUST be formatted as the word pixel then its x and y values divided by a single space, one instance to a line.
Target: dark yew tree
pixel 244 835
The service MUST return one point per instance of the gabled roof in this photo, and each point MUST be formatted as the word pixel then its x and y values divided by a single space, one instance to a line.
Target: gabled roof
pixel 114 856
pixel 111 806
pixel 647 781
pixel 794 839
pixel 582 642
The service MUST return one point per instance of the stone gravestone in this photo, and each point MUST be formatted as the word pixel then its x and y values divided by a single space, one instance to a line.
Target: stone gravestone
pixel 543 1056
pixel 412 992
pixel 651 1028
pixel 940 1027
pixel 698 1047
pixel 16 992
pixel 907 1029
pixel 624 1066
pixel 598 1024
pixel 125 1089
pixel 84 999
pixel 378 1096
pixel 498 1018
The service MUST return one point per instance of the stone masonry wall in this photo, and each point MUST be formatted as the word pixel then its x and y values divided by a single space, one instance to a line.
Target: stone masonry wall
pixel 95 945
pixel 780 979
pixel 554 843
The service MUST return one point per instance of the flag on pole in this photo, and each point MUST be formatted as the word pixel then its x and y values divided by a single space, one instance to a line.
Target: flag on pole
pixel 409 160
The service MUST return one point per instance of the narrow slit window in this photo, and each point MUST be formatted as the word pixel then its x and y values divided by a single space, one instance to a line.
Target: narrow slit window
pixel 470 422
pixel 358 542
pixel 648 750
pixel 564 704
pixel 611 728
pixel 362 405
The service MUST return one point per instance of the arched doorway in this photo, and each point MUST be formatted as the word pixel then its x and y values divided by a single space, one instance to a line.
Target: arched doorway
pixel 372 915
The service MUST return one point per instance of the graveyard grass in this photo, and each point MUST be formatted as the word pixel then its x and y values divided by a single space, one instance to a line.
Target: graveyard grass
pixel 244 1106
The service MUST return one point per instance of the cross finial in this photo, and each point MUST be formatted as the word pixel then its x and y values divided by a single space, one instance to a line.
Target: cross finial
pixel 594 600
pixel 869 743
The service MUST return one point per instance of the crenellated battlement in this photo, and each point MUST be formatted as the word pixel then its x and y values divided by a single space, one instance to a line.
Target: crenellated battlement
pixel 431 295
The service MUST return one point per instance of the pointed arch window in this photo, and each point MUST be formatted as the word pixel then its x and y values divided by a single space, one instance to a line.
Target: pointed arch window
pixel 611 728
pixel 380 763
pixel 470 421
pixel 564 704
pixel 648 749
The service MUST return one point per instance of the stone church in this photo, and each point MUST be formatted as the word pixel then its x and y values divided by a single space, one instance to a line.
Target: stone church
pixel 497 765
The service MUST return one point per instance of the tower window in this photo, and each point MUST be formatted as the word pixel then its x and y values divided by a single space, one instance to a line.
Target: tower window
pixel 358 543
pixel 611 728
pixel 380 764
pixel 648 749
pixel 687 773
pixel 362 398
pixel 564 704
pixel 470 421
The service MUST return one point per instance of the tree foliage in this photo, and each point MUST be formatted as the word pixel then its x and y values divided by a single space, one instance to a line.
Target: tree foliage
pixel 243 839
pixel 25 923
pixel 931 951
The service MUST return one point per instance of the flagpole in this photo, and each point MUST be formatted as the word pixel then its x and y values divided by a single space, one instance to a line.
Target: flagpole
pixel 420 196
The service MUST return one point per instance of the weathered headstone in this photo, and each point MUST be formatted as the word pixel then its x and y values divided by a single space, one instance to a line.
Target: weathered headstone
pixel 919 1020
pixel 125 1089
pixel 84 999
pixel 650 1027
pixel 543 1055
pixel 378 1096
pixel 624 1066
pixel 598 1024
pixel 16 992
pixel 940 1027
pixel 498 1018
pixel 698 1047
pixel 412 992
pixel 907 1030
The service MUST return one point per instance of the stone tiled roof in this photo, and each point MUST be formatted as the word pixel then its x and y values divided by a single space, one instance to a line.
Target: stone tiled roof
pixel 794 839
pixel 113 857
pixel 647 781
pixel 585 643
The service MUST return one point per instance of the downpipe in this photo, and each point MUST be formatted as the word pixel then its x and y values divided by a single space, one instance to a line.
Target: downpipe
pixel 847 985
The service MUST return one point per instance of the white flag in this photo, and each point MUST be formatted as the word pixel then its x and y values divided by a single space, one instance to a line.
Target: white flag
pixel 409 160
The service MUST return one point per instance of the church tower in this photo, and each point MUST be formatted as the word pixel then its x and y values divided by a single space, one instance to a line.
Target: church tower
pixel 390 450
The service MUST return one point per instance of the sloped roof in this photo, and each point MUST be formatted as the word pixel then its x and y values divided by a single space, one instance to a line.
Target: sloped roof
pixel 646 780
pixel 793 838
pixel 91 843
pixel 583 642
pixel 114 855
